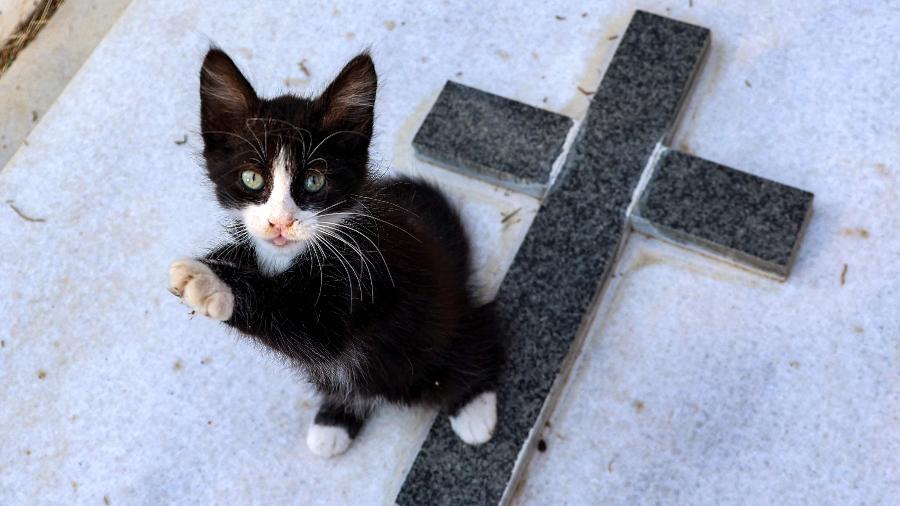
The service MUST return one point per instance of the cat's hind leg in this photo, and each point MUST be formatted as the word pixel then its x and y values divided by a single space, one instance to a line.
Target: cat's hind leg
pixel 334 427
pixel 474 422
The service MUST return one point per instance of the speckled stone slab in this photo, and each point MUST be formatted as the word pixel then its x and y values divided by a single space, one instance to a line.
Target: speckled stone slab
pixel 743 217
pixel 565 259
pixel 490 137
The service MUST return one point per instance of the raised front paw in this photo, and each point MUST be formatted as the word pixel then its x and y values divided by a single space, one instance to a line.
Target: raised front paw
pixel 200 288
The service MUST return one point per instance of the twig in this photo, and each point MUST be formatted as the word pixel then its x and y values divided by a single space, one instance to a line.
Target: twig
pixel 25 32
pixel 507 217
pixel 23 215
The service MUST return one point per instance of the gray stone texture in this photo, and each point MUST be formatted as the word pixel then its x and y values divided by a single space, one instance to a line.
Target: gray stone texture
pixel 489 137
pixel 743 217
pixel 566 258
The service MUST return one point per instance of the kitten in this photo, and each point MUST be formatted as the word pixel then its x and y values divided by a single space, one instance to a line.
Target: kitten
pixel 360 281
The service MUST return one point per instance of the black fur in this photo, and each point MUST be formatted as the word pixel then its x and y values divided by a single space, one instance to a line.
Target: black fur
pixel 400 325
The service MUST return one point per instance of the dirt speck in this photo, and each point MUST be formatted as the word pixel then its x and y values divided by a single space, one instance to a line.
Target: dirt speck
pixel 612 37
pixel 855 232
pixel 293 81
pixel 34 116
pixel 336 13
pixel 560 18
pixel 2 343
pixel 424 59
pixel 542 446
pixel 205 360
pixel 75 486
pixel 458 74
pixel 794 364
pixel 584 14
pixel 182 141
pixel 350 35
pixel 858 330
pixel 245 52
pixel 535 55
pixel 209 422
pixel 686 148
pixel 177 366
pixel 303 68
pixel 106 500
pixel 881 168
pixel 844 275
pixel 747 83
pixel 609 466
pixel 585 92
pixel 503 54
pixel 390 25
pixel 42 374
pixel 638 405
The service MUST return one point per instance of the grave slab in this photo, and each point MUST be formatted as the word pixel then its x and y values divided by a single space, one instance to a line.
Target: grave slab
pixel 711 207
pixel 502 141
pixel 565 259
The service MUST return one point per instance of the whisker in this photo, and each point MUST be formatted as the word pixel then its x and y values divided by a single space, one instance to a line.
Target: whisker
pixel 377 249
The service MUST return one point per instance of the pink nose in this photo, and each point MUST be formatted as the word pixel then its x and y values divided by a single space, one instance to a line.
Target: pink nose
pixel 282 222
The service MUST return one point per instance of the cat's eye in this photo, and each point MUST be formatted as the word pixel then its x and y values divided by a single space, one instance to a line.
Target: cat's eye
pixel 314 181
pixel 252 179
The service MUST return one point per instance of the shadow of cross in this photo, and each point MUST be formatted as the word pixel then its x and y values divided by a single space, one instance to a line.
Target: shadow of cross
pixel 618 174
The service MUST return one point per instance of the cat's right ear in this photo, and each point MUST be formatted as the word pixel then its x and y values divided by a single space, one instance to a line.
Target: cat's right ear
pixel 226 97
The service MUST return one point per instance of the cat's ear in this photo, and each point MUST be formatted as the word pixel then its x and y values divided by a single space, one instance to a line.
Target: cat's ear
pixel 226 97
pixel 349 101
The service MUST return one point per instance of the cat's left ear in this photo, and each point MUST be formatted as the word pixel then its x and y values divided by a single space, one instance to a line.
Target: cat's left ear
pixel 349 101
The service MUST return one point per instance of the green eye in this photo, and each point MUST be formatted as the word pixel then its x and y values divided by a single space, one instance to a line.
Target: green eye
pixel 252 179
pixel 314 182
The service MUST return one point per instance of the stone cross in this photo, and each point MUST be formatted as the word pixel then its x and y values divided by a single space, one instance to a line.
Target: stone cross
pixel 618 175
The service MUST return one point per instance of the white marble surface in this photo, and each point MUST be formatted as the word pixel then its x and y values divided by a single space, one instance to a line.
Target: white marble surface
pixel 705 384
pixel 109 390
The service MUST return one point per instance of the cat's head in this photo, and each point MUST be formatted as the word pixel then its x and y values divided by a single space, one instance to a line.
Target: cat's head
pixel 287 168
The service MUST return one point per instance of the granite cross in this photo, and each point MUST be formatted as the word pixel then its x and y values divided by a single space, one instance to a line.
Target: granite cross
pixel 618 175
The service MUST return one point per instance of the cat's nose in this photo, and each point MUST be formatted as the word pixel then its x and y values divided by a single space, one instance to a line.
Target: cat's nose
pixel 281 223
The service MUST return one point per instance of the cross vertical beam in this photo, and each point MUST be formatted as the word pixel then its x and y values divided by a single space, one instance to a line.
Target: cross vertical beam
pixel 565 259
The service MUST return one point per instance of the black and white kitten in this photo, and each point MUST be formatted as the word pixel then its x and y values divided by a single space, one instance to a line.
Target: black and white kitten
pixel 360 281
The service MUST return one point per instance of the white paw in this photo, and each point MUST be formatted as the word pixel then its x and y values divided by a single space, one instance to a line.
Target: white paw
pixel 475 422
pixel 201 289
pixel 327 440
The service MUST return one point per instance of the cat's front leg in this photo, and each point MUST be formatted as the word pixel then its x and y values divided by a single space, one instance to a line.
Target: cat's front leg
pixel 200 288
pixel 335 426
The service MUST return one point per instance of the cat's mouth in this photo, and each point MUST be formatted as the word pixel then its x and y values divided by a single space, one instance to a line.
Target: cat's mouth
pixel 281 241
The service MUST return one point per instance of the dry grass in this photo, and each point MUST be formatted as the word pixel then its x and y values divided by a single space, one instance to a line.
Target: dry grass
pixel 26 32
